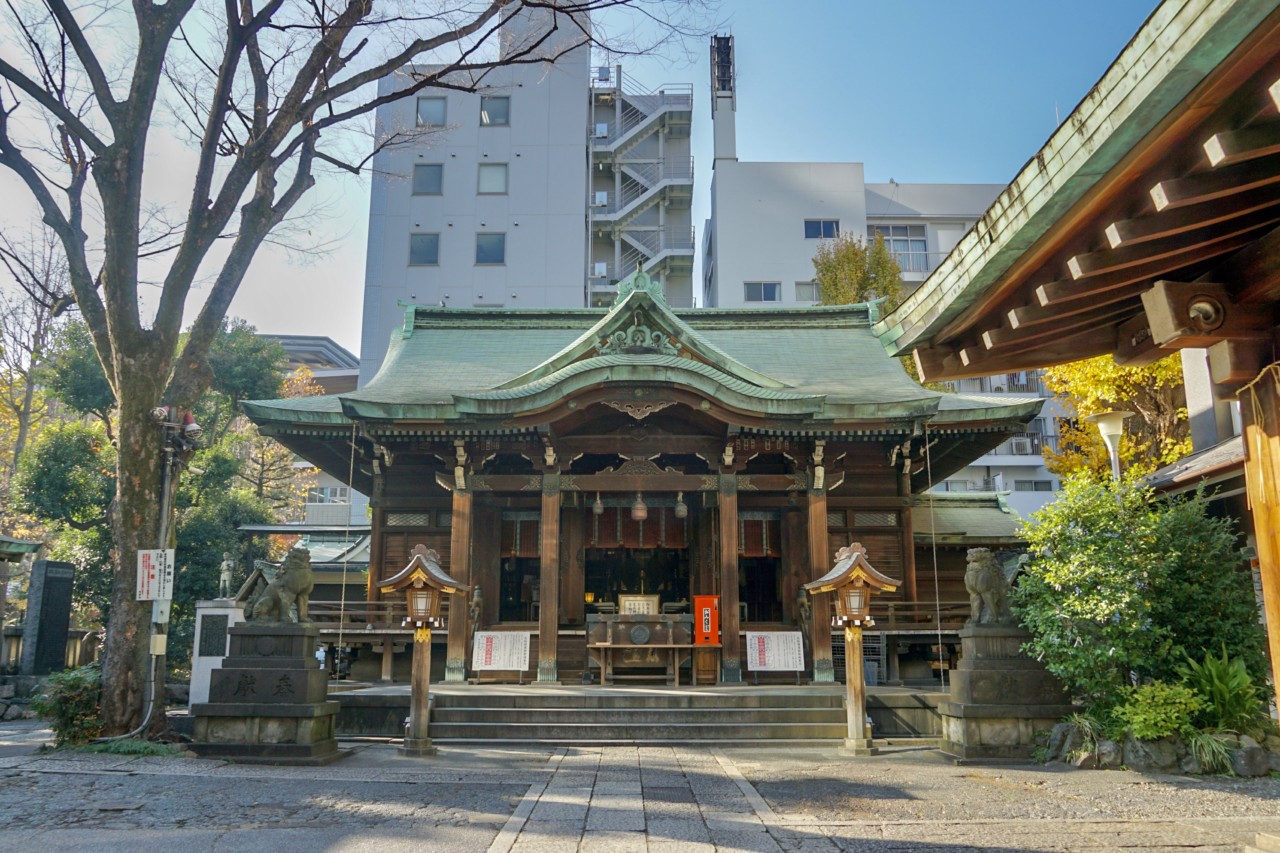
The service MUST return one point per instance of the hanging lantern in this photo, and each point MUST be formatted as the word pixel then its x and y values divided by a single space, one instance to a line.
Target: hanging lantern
pixel 424 602
pixel 598 506
pixel 639 512
pixel 682 508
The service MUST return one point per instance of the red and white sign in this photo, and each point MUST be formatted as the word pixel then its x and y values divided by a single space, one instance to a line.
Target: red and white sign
pixel 507 651
pixel 774 651
pixel 155 574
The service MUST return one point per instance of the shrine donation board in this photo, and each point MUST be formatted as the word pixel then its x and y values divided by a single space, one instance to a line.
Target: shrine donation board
pixel 506 651
pixel 775 651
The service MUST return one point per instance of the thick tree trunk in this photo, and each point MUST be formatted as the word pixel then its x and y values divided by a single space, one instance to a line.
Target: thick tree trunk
pixel 135 523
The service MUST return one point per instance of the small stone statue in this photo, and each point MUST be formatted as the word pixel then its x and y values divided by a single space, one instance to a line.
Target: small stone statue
pixel 226 575
pixel 291 586
pixel 988 589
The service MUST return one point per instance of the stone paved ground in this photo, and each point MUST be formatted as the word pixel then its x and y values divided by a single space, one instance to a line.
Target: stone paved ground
pixel 609 800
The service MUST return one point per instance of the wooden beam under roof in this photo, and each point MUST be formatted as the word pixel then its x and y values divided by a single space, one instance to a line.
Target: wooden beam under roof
pixel 1220 183
pixel 1005 337
pixel 1247 143
pixel 1153 226
pixel 1113 260
pixel 1094 287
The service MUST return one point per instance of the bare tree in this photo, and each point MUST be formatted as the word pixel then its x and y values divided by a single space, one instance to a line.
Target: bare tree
pixel 264 89
pixel 27 321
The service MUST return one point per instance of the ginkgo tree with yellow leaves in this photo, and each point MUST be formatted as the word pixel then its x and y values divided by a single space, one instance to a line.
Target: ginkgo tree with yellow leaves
pixel 1157 434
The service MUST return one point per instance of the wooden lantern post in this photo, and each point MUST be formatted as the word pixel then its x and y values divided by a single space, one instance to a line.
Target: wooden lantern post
pixel 425 584
pixel 854 581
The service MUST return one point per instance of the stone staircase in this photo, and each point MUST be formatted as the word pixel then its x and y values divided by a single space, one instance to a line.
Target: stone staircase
pixel 632 716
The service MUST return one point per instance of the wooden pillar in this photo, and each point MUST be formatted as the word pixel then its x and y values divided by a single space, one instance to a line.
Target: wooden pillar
pixel 388 659
pixel 910 589
pixel 455 666
pixel 730 651
pixel 573 584
pixel 1260 413
pixel 824 669
pixel 417 738
pixel 376 552
pixel 549 580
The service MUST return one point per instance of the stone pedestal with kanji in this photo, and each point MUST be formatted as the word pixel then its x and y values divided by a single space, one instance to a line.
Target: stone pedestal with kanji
pixel 268 701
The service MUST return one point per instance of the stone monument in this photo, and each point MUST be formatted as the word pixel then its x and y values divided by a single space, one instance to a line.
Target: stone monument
pixel 1000 697
pixel 268 701
pixel 44 633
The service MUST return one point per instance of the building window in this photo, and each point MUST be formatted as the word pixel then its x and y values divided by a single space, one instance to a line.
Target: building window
pixel 328 495
pixel 825 229
pixel 424 250
pixel 907 244
pixel 491 248
pixel 431 111
pixel 495 110
pixel 762 291
pixel 428 179
pixel 1033 485
pixel 492 179
pixel 806 291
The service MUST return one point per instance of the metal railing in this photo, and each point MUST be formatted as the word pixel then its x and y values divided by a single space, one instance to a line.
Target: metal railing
pixel 1028 382
pixel 637 104
pixel 1027 444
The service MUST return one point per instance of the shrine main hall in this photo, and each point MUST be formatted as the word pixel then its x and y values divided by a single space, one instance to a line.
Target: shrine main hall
pixel 563 460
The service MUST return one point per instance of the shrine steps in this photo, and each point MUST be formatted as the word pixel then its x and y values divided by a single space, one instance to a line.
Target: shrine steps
pixel 583 715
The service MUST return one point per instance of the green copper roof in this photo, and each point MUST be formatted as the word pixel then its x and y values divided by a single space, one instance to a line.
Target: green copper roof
pixel 818 364
pixel 12 550
pixel 1180 44
pixel 980 517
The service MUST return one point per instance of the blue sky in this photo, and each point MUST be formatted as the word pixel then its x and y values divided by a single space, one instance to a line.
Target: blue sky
pixel 925 91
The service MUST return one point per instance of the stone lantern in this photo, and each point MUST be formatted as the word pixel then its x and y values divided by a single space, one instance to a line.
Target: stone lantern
pixel 424 584
pixel 853 581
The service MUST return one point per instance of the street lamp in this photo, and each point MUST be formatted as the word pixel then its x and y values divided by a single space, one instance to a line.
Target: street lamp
pixel 854 581
pixel 424 584
pixel 1111 428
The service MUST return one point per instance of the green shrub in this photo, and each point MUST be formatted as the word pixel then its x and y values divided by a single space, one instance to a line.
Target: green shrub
pixel 1211 750
pixel 70 704
pixel 133 746
pixel 1231 700
pixel 1158 710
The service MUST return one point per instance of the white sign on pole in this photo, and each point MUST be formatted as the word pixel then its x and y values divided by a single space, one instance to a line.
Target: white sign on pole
pixel 507 651
pixel 155 574
pixel 774 651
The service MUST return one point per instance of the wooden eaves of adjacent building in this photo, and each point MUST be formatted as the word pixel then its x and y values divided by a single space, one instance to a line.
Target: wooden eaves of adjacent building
pixel 1147 224
pixel 561 458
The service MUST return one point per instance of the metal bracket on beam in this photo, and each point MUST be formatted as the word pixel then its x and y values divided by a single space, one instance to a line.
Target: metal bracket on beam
pixel 1200 314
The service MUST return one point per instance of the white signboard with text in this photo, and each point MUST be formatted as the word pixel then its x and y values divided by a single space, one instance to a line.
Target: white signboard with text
pixel 155 574
pixel 775 651
pixel 507 651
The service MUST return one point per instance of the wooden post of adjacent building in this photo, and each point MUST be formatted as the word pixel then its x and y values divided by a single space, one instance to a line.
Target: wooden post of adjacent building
pixel 549 581
pixel 730 646
pixel 1260 413
pixel 910 589
pixel 824 669
pixel 455 667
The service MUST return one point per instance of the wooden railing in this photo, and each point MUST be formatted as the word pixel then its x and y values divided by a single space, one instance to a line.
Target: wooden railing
pixel 358 615
pixel 919 615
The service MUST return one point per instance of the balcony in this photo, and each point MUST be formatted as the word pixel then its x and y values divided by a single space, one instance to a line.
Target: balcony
pixel 1021 382
pixel 1027 444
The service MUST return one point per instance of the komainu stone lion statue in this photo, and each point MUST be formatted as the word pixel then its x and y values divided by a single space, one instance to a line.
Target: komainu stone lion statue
pixel 291 585
pixel 988 589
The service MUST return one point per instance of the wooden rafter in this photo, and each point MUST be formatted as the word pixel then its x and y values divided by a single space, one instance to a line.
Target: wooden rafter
pixel 1153 226
pixel 1247 143
pixel 1219 183
pixel 1189 241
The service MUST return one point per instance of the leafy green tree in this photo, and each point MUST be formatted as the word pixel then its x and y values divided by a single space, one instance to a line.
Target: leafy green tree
pixel 73 373
pixel 68 476
pixel 1124 586
pixel 848 270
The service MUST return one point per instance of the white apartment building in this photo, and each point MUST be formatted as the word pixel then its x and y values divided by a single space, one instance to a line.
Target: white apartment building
pixel 768 219
pixel 543 189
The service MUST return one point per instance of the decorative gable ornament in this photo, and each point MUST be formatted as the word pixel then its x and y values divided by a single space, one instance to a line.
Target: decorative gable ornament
pixel 638 339
pixel 640 280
